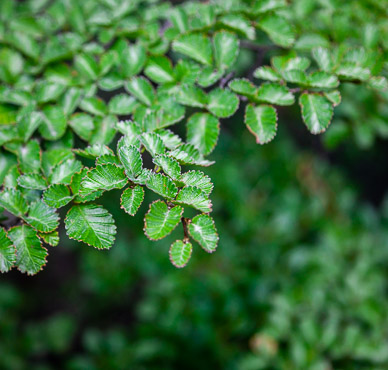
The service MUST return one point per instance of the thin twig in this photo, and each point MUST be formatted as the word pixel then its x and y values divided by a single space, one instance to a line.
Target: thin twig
pixel 185 231
pixel 226 79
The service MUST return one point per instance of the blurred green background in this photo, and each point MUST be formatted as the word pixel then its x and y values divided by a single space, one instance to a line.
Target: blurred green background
pixel 299 280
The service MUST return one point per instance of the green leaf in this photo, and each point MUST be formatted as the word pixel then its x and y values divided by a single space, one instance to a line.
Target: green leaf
pixel 179 19
pixel 42 217
pixel 91 224
pixel 70 100
pixel 94 106
pixel 295 76
pixel 7 161
pixel 317 112
pixel 278 30
pixel 379 83
pixel 159 70
pixel 263 6
pixel 57 195
pixel 267 73
pixel 243 87
pixel 275 94
pixel 83 125
pixel 133 59
pixel 222 102
pixel 169 165
pixel 290 62
pixel 131 199
pixel 32 181
pixel 189 154
pixel 53 125
pixel 49 92
pixel 63 172
pixel 209 76
pixel 323 80
pixel 50 238
pixel 170 140
pixel 323 58
pixel 162 185
pixel 262 122
pixel 7 252
pixel 122 104
pixel 93 151
pixel 28 123
pixel 141 89
pixel 153 143
pixel 13 201
pixel 160 220
pixel 226 48
pixel 180 253
pixel 131 159
pixel 192 96
pixel 196 46
pixel 30 255
pixel 197 179
pixel 29 156
pixel 194 197
pixel 143 177
pixel 11 177
pixel 108 159
pixel 202 132
pixel 76 185
pixel 334 97
pixel 86 66
pixel 53 157
pixel 352 71
pixel 240 24
pixel 203 231
pixel 103 177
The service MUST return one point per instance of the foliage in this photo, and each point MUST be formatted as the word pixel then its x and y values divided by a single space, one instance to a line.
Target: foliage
pixel 89 91
pixel 299 280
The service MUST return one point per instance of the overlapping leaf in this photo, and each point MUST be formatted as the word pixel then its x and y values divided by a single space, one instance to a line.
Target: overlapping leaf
pixel 131 199
pixel 161 220
pixel 103 177
pixel 30 255
pixel 202 230
pixel 91 224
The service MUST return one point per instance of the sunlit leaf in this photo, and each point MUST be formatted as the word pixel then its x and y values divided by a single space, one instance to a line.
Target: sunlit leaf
pixel 261 121
pixel 194 197
pixel 180 253
pixel 91 224
pixel 317 112
pixel 57 195
pixel 42 217
pixel 131 199
pixel 161 220
pixel 202 131
pixel 203 231
pixel 30 255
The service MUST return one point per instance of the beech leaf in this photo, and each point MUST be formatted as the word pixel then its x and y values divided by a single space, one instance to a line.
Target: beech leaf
pixel 30 255
pixel 91 224
pixel 180 253
pixel 7 252
pixel 131 199
pixel 160 220
pixel 203 231
pixel 262 122
pixel 317 112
